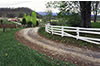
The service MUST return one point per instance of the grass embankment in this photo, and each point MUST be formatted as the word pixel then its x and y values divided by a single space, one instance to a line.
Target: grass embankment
pixel 95 25
pixel 67 40
pixel 13 53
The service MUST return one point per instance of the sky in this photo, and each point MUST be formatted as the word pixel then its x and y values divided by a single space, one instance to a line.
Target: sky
pixel 37 5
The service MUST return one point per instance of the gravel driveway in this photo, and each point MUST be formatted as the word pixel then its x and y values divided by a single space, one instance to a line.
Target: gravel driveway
pixel 80 56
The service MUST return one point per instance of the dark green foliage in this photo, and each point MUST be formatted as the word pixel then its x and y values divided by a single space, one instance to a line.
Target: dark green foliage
pixel 23 21
pixel 60 22
pixel 37 23
pixel 1 21
pixel 54 23
pixel 11 15
pixel 74 20
pixel 13 53
pixel 4 29
pixel 16 12
pixel 29 24
pixel 68 7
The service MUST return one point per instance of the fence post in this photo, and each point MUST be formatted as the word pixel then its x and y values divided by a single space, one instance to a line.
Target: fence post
pixel 49 28
pixel 52 29
pixel 46 27
pixel 62 28
pixel 4 29
pixel 77 33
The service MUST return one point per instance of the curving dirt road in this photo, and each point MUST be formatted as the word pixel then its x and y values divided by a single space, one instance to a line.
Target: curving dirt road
pixel 79 56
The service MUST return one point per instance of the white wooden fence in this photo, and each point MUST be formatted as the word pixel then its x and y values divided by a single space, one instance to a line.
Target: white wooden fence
pixel 63 31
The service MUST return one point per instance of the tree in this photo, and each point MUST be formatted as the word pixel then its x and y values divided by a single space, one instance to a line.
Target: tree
pixel 24 21
pixel 20 15
pixel 65 7
pixel 28 19
pixel 37 23
pixel 34 18
pixel 81 7
pixel 85 8
pixel 95 9
pixel 31 20
pixel 49 16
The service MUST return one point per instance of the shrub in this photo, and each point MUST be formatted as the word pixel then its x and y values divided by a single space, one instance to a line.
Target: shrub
pixel 61 22
pixel 28 18
pixel 74 20
pixel 34 18
pixel 23 21
pixel 29 24
pixel 1 21
pixel 37 23
pixel 54 23
pixel 31 18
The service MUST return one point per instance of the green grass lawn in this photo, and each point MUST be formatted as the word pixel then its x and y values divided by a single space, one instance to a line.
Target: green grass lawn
pixel 95 25
pixel 13 53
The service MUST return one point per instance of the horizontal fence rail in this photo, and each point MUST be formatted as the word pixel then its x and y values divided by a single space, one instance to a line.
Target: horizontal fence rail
pixel 64 31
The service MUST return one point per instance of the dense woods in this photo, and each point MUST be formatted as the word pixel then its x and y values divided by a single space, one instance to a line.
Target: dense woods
pixel 16 12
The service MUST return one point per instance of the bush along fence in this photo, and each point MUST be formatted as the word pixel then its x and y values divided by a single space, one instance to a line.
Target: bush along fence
pixel 68 31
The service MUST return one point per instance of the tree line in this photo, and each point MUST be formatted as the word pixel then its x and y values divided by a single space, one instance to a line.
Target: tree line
pixel 82 8
pixel 16 12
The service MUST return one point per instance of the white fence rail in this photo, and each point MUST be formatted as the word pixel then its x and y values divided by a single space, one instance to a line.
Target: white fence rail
pixel 63 31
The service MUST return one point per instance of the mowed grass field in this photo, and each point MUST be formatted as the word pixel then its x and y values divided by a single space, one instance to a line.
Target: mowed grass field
pixel 96 24
pixel 13 53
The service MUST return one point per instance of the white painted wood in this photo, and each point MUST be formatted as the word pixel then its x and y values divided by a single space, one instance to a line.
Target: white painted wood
pixel 96 39
pixel 91 32
pixel 77 33
pixel 62 31
pixel 70 30
pixel 57 33
pixel 52 29
pixel 69 35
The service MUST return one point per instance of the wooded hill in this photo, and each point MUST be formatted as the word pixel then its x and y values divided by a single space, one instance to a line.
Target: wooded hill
pixel 16 12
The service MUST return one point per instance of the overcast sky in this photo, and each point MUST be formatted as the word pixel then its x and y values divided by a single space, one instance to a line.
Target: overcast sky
pixel 37 5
